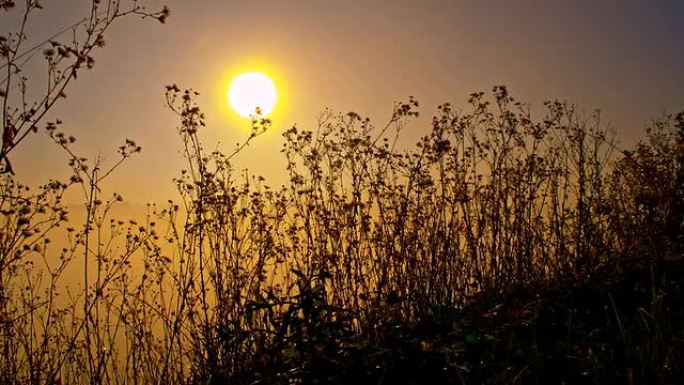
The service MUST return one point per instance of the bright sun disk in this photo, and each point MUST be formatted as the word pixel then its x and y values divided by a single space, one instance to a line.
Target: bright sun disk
pixel 250 91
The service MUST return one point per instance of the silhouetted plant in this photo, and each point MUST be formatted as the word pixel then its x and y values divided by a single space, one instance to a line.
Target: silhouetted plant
pixel 51 334
pixel 367 237
pixel 648 192
pixel 23 109
pixel 370 258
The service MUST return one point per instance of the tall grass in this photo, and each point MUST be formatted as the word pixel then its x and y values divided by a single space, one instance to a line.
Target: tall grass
pixel 240 282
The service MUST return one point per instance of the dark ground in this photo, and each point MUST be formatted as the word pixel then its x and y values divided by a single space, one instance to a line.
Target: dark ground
pixel 622 327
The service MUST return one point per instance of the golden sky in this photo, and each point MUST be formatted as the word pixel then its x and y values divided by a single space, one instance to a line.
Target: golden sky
pixel 623 57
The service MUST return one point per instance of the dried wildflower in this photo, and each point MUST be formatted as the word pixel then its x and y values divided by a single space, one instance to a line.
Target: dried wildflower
pixel 164 14
pixel 100 41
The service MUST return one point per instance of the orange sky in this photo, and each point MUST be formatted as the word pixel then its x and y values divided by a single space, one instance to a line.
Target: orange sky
pixel 621 56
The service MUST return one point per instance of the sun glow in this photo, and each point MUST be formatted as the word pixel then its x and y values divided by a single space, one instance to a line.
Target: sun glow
pixel 252 93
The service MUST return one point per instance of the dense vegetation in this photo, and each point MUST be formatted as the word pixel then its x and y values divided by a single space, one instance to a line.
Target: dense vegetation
pixel 498 249
pixel 502 248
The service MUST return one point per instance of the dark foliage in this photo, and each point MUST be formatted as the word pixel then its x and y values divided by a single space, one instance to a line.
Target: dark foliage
pixel 502 248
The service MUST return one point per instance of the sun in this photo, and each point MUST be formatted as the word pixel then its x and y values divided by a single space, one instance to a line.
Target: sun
pixel 251 91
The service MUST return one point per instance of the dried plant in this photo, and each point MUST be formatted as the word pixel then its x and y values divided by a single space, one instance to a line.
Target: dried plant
pixel 319 280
